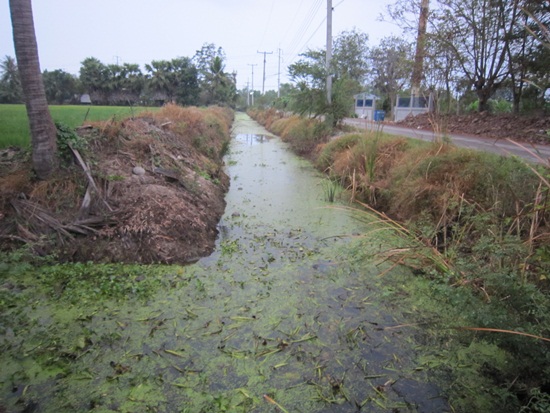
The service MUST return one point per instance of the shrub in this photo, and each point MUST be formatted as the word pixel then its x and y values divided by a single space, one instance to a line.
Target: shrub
pixel 329 151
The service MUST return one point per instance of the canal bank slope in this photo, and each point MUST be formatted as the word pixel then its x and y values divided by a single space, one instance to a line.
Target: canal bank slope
pixel 148 189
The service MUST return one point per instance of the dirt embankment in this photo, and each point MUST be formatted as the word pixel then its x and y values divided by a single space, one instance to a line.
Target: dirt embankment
pixel 146 190
pixel 531 129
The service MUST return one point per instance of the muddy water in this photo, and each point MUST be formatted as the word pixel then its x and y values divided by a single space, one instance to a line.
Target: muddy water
pixel 285 316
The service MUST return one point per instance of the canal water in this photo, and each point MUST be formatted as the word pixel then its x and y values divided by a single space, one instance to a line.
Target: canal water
pixel 288 314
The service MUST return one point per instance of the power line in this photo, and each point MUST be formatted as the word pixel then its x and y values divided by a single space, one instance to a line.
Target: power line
pixel 268 22
pixel 292 22
pixel 308 40
pixel 305 26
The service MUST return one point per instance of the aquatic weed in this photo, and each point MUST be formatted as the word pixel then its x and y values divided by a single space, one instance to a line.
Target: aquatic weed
pixel 331 188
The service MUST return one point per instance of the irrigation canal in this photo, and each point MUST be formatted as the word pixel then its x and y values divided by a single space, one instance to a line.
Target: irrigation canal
pixel 291 313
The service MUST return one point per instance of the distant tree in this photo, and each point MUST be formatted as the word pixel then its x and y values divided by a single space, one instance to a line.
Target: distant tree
pixel 43 131
pixel 60 86
pixel 441 74
pixel 350 55
pixel 124 83
pixel 205 56
pixel 478 33
pixel 283 101
pixel 10 83
pixel 95 79
pixel 309 74
pixel 186 81
pixel 267 99
pixel 174 80
pixel 217 86
pixel 349 67
pixel 159 80
pixel 530 55
pixel 220 86
pixel 391 67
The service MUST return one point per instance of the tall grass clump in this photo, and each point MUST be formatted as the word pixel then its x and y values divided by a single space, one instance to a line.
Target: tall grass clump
pixel 266 117
pixel 303 135
pixel 206 128
pixel 361 161
pixel 331 189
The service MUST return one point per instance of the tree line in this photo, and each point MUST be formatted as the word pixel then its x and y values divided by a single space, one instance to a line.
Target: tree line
pixel 476 54
pixel 200 80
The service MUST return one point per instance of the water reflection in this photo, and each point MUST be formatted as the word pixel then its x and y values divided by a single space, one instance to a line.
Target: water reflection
pixel 252 139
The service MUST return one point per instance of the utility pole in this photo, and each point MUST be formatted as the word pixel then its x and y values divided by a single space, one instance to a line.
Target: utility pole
pixel 263 84
pixel 252 81
pixel 329 51
pixel 279 76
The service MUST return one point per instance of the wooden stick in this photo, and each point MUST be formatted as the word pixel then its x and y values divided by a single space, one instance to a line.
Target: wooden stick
pixel 88 173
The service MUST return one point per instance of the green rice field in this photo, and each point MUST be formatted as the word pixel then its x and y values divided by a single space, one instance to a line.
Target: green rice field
pixel 14 126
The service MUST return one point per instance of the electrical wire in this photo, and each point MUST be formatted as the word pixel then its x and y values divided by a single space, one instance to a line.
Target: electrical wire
pixel 314 33
pixel 292 21
pixel 307 41
pixel 268 22
pixel 304 27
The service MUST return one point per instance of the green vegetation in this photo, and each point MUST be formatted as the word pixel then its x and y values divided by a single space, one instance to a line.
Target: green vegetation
pixel 463 219
pixel 236 333
pixel 14 126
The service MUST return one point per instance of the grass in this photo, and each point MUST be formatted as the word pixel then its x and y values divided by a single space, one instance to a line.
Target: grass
pixel 469 219
pixel 14 127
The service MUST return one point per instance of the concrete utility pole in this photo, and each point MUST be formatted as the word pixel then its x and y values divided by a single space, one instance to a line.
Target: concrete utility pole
pixel 263 84
pixel 329 51
pixel 252 81
pixel 279 76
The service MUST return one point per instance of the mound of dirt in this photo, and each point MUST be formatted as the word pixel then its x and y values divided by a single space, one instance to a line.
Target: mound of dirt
pixel 531 129
pixel 144 190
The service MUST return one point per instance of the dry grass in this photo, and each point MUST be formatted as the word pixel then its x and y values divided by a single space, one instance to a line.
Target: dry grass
pixel 206 129
pixel 155 214
pixel 267 117
pixel 60 193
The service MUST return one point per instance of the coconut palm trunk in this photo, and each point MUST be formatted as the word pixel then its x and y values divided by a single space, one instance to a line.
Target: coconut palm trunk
pixel 43 131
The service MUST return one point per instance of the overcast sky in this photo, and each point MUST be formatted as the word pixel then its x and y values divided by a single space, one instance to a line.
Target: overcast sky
pixel 139 31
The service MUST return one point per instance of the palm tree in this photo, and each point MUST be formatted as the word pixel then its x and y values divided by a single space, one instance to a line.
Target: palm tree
pixel 159 80
pixel 43 131
pixel 10 85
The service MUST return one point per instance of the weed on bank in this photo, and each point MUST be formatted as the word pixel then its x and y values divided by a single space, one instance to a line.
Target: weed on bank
pixel 473 227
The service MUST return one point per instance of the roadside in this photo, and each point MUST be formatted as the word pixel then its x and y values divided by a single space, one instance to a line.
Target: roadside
pixel 520 136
